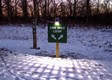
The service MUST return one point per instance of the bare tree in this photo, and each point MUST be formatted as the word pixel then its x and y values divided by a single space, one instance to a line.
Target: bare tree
pixel 62 8
pixel 48 7
pixel 15 8
pixel 45 9
pixel 49 2
pixel 70 7
pixel 54 3
pixel 87 10
pixel 74 8
pixel 24 8
pixel 8 3
pixel 106 6
pixel 98 5
pixel 35 8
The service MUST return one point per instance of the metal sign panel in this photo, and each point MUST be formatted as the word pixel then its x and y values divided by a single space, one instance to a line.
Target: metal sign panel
pixel 57 33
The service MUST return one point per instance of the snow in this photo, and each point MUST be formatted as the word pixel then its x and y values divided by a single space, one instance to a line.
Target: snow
pixel 87 55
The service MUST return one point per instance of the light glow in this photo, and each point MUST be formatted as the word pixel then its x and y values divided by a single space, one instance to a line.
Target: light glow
pixel 57 23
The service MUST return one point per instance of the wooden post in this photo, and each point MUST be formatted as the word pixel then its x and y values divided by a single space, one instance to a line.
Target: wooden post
pixel 34 34
pixel 57 50
pixel 34 41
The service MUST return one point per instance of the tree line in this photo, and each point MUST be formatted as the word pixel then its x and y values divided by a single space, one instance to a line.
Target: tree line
pixel 73 11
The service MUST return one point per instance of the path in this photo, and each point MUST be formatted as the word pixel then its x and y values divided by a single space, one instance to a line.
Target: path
pixel 30 67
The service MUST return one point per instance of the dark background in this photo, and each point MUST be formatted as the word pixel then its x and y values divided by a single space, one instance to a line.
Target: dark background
pixel 71 12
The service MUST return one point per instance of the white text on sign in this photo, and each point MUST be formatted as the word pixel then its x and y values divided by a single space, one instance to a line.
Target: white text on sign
pixel 57 31
pixel 57 27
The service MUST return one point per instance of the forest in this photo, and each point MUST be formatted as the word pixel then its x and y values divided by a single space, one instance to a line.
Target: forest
pixel 91 12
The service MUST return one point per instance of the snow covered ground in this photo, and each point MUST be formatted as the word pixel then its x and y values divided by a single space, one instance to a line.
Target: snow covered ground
pixel 87 55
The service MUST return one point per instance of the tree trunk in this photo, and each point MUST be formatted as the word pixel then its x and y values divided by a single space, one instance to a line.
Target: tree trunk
pixel 8 10
pixel 70 8
pixel 55 14
pixel 35 8
pixel 48 9
pixel 25 12
pixel 15 9
pixel 0 8
pixel 45 10
pixel 87 11
pixel 98 7
pixel 62 9
pixel 74 9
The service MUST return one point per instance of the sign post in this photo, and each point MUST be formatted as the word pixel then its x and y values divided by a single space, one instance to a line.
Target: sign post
pixel 57 33
pixel 57 50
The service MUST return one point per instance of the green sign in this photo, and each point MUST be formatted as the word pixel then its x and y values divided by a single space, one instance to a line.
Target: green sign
pixel 57 33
